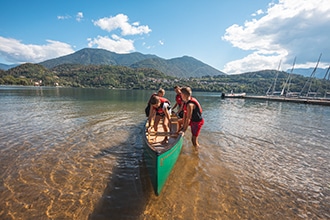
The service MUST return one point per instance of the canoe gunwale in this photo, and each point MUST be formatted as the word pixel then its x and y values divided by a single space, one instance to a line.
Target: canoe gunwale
pixel 167 148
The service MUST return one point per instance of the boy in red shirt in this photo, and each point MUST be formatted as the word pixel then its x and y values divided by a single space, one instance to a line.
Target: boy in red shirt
pixel 192 115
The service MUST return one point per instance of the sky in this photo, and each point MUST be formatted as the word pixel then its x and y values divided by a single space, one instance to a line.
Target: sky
pixel 233 36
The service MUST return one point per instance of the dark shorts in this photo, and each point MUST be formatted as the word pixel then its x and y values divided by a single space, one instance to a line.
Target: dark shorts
pixel 180 114
pixel 196 127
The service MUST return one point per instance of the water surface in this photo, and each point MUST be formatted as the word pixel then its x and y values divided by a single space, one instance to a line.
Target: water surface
pixel 77 154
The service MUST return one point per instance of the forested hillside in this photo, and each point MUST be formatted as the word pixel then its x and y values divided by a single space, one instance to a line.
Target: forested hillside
pixel 121 77
pixel 182 67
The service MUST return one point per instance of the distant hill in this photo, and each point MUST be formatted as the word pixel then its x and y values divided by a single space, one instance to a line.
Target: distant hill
pixel 91 56
pixel 28 70
pixel 184 67
pixel 122 77
pixel 320 73
pixel 6 66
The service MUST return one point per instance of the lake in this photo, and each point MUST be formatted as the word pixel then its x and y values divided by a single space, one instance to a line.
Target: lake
pixel 71 153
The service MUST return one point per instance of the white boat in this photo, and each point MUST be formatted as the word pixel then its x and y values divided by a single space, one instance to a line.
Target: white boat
pixel 233 95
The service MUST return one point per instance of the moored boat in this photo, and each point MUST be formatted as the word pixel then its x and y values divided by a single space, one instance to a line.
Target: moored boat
pixel 159 157
pixel 233 95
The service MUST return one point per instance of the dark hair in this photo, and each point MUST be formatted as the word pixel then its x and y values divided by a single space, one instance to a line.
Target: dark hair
pixel 154 100
pixel 186 91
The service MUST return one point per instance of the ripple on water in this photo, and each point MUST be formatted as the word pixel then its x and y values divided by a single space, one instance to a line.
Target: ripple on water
pixel 77 160
pixel 54 171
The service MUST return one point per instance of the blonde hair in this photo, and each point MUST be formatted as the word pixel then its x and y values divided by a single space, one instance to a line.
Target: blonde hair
pixel 162 91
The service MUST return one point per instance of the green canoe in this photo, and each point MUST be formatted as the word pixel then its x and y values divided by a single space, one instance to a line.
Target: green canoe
pixel 161 158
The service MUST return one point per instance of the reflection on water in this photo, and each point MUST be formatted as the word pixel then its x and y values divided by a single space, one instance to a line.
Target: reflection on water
pixel 77 154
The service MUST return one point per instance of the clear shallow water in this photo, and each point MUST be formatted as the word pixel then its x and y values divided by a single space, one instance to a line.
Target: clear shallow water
pixel 77 154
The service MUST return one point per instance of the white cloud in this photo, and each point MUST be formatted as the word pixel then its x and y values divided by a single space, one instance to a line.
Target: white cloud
pixel 120 21
pixel 114 44
pixel 253 62
pixel 63 17
pixel 161 42
pixel 79 16
pixel 258 12
pixel 15 51
pixel 289 28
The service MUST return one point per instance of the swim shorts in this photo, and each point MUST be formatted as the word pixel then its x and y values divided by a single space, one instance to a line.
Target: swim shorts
pixel 196 127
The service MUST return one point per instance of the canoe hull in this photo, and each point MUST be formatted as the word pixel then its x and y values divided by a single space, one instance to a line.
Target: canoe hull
pixel 160 165
pixel 159 156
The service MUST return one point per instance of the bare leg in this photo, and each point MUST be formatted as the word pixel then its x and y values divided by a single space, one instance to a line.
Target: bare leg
pixel 180 122
pixel 194 140
pixel 166 125
pixel 166 129
pixel 156 122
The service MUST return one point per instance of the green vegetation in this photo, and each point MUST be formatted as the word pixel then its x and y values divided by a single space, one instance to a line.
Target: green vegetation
pixel 184 67
pixel 121 77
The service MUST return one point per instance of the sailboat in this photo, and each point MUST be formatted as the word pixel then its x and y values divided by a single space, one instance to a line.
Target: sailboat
pixel 268 93
pixel 309 83
pixel 327 74
pixel 287 84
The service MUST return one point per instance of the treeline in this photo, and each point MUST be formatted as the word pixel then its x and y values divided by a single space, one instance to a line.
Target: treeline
pixel 262 81
pixel 120 77
pixel 76 75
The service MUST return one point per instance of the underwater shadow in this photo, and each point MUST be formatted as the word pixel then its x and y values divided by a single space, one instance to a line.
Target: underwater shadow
pixel 129 188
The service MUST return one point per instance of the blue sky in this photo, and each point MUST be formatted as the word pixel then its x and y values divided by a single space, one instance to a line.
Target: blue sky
pixel 233 36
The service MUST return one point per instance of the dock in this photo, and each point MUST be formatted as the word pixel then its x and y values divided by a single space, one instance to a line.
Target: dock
pixel 302 100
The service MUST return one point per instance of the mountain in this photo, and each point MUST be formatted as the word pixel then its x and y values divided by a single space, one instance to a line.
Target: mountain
pixel 91 56
pixel 184 67
pixel 6 66
pixel 319 73
pixel 122 77
pixel 28 70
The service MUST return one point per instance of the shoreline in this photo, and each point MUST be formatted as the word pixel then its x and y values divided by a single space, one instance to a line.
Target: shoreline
pixel 313 101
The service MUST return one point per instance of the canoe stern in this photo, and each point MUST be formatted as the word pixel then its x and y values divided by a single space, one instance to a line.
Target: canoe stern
pixel 160 165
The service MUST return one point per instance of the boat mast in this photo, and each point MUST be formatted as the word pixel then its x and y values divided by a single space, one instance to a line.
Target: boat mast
pixel 310 79
pixel 273 90
pixel 289 78
pixel 325 79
